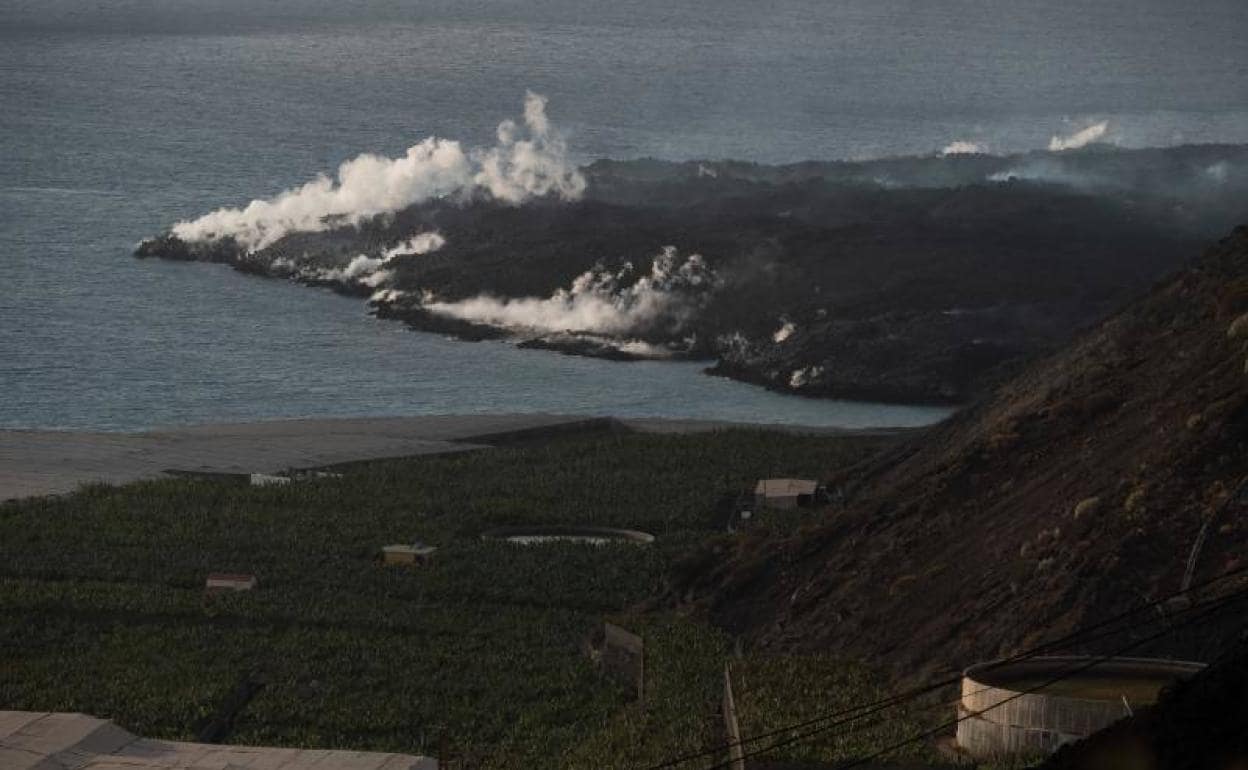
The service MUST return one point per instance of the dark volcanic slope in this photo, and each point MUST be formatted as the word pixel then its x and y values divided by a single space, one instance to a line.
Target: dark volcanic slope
pixel 1197 724
pixel 1074 492
pixel 904 280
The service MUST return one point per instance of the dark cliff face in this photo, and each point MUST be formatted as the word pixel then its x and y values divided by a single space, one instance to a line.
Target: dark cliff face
pixel 902 280
pixel 1073 492
pixel 1196 724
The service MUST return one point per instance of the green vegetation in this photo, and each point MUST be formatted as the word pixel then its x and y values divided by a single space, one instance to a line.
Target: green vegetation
pixel 102 607
pixel 684 683
pixel 774 692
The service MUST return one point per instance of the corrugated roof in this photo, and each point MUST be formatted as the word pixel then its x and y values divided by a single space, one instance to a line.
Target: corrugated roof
pixel 56 741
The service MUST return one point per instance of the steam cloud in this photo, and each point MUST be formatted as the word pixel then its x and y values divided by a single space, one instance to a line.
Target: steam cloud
pixel 422 243
pixel 601 302
pixel 363 269
pixel 527 161
pixel 784 332
pixel 1080 138
pixel 961 147
pixel 1219 172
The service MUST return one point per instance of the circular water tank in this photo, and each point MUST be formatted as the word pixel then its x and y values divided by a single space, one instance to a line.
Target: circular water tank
pixel 537 535
pixel 1001 718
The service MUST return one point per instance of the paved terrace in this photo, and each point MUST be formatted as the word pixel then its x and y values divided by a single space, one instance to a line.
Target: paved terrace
pixel 55 462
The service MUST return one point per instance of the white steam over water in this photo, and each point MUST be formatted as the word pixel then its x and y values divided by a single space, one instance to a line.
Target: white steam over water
pixel 962 147
pixel 599 301
pixel 528 160
pixel 1081 138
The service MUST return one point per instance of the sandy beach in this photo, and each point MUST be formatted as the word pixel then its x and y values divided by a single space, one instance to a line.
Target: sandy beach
pixel 35 462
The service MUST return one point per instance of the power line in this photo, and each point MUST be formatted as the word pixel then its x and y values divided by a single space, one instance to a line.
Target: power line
pixel 854 713
pixel 1213 607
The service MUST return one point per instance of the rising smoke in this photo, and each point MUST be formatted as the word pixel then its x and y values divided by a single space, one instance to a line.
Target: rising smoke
pixel 527 161
pixel 962 147
pixel 362 269
pixel 422 243
pixel 1081 138
pixel 601 302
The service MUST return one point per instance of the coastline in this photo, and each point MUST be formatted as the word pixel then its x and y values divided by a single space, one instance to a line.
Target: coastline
pixel 907 280
pixel 36 463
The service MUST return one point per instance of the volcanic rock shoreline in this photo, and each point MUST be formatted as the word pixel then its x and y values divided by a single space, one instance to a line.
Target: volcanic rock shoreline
pixel 919 280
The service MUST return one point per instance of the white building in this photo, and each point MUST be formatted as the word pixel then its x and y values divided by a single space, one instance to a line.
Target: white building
pixel 415 553
pixel 225 581
pixel 782 493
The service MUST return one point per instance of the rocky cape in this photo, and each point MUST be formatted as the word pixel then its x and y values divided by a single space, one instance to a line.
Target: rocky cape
pixel 921 280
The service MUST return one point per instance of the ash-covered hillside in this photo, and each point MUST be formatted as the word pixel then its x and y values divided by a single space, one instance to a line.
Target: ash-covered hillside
pixel 907 280
pixel 1078 490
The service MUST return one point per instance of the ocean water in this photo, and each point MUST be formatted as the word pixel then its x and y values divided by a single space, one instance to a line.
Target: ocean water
pixel 118 119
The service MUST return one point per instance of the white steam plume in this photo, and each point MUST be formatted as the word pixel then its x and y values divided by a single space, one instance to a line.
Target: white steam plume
pixel 1219 172
pixel 526 162
pixel 600 302
pixel 363 269
pixel 1080 138
pixel 422 243
pixel 784 332
pixel 961 147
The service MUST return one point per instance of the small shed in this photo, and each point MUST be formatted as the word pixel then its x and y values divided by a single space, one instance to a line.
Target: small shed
pixel 227 581
pixel 268 480
pixel 784 493
pixel 415 554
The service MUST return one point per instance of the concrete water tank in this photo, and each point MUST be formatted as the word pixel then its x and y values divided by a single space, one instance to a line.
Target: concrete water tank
pixel 1000 718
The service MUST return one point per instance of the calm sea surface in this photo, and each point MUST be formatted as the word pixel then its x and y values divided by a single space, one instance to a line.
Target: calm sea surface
pixel 119 118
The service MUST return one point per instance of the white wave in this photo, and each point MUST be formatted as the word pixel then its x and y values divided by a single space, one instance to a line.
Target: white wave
pixel 526 162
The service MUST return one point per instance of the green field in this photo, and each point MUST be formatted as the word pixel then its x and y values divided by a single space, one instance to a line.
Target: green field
pixel 479 653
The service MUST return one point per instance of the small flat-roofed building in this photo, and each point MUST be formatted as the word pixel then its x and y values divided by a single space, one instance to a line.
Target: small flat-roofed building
pixel 414 553
pixel 783 493
pixel 228 581
pixel 268 480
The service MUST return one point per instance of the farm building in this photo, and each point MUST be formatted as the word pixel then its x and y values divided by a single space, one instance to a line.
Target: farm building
pixel 225 581
pixel 267 480
pixel 415 553
pixel 784 493
pixel 33 740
